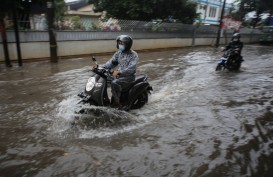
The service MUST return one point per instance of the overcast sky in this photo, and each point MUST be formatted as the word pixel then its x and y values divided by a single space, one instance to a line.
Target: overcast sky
pixel 230 1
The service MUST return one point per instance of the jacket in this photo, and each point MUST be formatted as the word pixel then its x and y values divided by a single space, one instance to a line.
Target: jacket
pixel 126 62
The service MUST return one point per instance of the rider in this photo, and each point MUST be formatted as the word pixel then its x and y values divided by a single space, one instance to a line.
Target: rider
pixel 236 43
pixel 126 59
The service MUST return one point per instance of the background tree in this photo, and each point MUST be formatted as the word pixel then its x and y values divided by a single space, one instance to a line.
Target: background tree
pixel 258 7
pixel 183 10
pixel 60 9
pixel 269 5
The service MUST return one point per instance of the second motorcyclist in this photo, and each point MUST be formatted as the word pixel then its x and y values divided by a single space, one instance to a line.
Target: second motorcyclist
pixel 235 43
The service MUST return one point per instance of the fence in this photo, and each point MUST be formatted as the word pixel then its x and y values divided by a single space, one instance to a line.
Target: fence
pixel 184 31
pixel 35 44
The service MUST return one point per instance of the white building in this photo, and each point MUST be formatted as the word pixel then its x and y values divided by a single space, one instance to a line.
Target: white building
pixel 210 11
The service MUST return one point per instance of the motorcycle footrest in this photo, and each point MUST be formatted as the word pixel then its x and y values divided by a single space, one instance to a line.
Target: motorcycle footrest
pixel 81 95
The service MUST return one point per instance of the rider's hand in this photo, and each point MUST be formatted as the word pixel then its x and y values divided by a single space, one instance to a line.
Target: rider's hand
pixel 115 74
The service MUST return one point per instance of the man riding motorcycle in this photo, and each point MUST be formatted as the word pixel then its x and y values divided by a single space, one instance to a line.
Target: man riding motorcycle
pixel 235 44
pixel 126 59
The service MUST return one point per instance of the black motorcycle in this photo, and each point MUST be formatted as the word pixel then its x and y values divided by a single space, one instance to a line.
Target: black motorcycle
pixel 134 96
pixel 231 60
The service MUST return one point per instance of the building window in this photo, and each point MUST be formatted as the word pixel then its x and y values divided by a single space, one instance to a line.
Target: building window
pixel 212 11
pixel 202 6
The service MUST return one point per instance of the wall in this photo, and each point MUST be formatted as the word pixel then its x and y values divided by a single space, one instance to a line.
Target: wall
pixel 71 48
pixel 35 45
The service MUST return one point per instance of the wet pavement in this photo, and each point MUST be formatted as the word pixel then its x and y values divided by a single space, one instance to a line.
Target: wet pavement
pixel 198 122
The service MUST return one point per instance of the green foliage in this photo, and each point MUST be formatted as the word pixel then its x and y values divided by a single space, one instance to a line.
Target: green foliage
pixel 77 23
pixel 94 27
pixel 182 10
pixel 60 9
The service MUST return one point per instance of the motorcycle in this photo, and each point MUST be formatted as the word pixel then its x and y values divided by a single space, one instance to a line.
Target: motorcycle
pixel 134 96
pixel 231 60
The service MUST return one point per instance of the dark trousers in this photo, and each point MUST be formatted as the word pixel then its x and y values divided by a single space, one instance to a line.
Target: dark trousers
pixel 118 85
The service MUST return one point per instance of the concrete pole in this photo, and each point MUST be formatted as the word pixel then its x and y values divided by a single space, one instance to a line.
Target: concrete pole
pixel 52 38
pixel 16 31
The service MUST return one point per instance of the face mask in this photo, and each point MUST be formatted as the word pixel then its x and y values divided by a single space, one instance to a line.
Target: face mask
pixel 121 47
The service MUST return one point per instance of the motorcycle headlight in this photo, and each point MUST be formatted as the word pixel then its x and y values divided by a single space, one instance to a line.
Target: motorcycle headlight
pixel 90 84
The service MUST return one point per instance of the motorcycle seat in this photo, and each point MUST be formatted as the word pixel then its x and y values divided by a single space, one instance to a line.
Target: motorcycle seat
pixel 138 79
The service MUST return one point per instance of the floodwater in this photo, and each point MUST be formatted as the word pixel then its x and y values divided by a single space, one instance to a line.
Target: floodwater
pixel 198 122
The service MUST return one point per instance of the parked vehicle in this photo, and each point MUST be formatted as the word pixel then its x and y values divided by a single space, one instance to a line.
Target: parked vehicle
pixel 266 37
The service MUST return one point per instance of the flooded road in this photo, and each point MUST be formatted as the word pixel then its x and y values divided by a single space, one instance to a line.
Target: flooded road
pixel 198 122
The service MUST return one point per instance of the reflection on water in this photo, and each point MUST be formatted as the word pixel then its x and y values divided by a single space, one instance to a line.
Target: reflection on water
pixel 198 122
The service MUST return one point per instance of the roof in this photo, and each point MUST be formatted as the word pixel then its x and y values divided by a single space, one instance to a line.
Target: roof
pixel 72 12
pixel 75 5
pixel 70 1
pixel 83 9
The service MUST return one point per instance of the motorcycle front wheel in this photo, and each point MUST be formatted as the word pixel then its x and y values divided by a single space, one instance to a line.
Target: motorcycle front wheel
pixel 219 67
pixel 140 101
pixel 233 65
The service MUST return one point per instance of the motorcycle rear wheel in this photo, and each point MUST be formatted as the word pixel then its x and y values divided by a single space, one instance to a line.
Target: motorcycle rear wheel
pixel 140 101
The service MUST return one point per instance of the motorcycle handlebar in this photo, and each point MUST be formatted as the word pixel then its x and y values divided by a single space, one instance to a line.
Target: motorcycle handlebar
pixel 94 60
pixel 230 51
pixel 105 73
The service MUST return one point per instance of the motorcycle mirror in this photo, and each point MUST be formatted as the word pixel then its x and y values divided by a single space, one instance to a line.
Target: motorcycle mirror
pixel 94 60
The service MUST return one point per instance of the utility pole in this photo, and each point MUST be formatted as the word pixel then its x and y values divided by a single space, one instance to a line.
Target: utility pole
pixel 52 37
pixel 220 25
pixel 16 31
pixel 206 9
